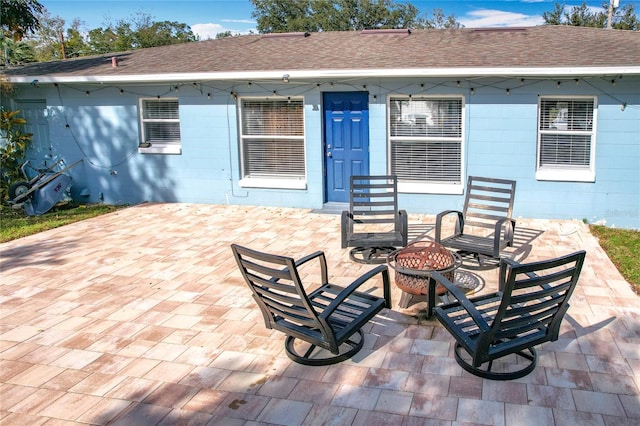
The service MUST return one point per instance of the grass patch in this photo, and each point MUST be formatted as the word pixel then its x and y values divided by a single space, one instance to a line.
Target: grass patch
pixel 16 224
pixel 623 248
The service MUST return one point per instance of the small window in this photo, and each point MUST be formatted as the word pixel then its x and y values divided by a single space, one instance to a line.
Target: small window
pixel 160 126
pixel 566 139
pixel 272 143
pixel 425 139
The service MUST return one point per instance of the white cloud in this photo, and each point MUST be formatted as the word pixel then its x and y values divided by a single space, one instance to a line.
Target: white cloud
pixel 210 30
pixel 498 18
pixel 207 31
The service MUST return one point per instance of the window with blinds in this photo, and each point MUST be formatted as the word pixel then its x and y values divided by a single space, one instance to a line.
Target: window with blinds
pixel 272 138
pixel 160 123
pixel 566 134
pixel 425 137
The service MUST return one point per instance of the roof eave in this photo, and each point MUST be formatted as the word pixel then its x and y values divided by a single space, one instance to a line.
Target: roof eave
pixel 339 73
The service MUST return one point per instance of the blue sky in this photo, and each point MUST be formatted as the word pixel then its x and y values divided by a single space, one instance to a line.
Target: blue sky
pixel 208 17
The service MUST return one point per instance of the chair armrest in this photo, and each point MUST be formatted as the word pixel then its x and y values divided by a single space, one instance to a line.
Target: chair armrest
pixel 323 264
pixel 508 234
pixel 357 283
pixel 346 227
pixel 462 299
pixel 459 223
pixel 403 223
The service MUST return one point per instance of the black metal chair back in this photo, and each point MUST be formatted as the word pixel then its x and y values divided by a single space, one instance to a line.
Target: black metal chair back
pixel 373 225
pixel 526 312
pixel 485 225
pixel 325 318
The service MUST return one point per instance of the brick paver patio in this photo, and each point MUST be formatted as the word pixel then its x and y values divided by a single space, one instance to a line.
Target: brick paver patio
pixel 140 317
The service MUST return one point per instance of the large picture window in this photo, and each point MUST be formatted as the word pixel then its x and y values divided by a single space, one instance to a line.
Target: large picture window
pixel 272 142
pixel 160 126
pixel 566 138
pixel 425 139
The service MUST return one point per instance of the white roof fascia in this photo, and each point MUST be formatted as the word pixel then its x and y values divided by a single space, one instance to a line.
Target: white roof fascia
pixel 350 73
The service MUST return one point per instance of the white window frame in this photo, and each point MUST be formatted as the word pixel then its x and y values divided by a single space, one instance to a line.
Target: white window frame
pixel 158 147
pixel 429 187
pixel 559 126
pixel 267 180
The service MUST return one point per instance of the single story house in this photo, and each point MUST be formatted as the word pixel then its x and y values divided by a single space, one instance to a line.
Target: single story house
pixel 285 119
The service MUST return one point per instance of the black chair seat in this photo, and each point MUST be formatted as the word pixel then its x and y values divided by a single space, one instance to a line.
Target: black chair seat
pixel 526 312
pixel 328 319
pixel 373 225
pixel 484 227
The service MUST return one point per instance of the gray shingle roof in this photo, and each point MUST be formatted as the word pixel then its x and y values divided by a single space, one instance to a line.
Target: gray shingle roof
pixel 531 47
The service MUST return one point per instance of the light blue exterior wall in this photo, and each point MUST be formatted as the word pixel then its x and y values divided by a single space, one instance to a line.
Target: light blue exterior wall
pixel 500 140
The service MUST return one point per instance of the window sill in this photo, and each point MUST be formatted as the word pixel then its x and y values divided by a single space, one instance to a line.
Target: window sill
pixel 566 175
pixel 273 183
pixel 156 148
pixel 431 188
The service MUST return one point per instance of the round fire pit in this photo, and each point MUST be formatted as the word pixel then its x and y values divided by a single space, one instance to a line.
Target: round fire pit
pixel 414 264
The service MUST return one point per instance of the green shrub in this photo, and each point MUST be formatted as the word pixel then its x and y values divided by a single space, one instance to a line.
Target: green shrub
pixel 13 146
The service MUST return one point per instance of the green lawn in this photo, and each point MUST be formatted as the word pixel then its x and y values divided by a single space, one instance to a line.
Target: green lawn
pixel 16 224
pixel 623 248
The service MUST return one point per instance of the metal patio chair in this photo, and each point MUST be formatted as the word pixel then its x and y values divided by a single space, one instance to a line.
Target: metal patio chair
pixel 484 227
pixel 323 326
pixel 526 312
pixel 373 225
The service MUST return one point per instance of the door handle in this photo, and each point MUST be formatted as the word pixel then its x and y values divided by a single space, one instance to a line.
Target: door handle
pixel 329 154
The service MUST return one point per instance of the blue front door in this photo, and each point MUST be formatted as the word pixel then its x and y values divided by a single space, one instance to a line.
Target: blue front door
pixel 346 141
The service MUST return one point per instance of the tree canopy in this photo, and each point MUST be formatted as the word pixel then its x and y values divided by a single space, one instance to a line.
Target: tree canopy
pixel 277 16
pixel 623 18
pixel 137 33
pixel 18 17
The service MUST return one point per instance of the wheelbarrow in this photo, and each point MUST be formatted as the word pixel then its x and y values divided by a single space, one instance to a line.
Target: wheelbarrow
pixel 39 194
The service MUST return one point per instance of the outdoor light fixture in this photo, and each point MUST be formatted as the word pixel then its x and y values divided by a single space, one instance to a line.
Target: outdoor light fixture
pixel 285 78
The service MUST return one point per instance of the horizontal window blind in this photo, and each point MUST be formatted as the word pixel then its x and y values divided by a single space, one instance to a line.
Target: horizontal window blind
pixel 565 133
pixel 273 157
pixel 162 132
pixel 272 135
pixel 426 117
pixel 284 118
pixel 161 121
pixel 161 109
pixel 426 139
pixel 435 162
pixel 559 150
pixel 569 115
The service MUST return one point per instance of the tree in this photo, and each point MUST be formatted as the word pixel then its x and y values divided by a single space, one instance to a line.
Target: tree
pixel 13 146
pixel 275 16
pixel 623 18
pixel 16 52
pixel 162 34
pixel 138 32
pixel 19 17
pixel 53 42
pixel 439 20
